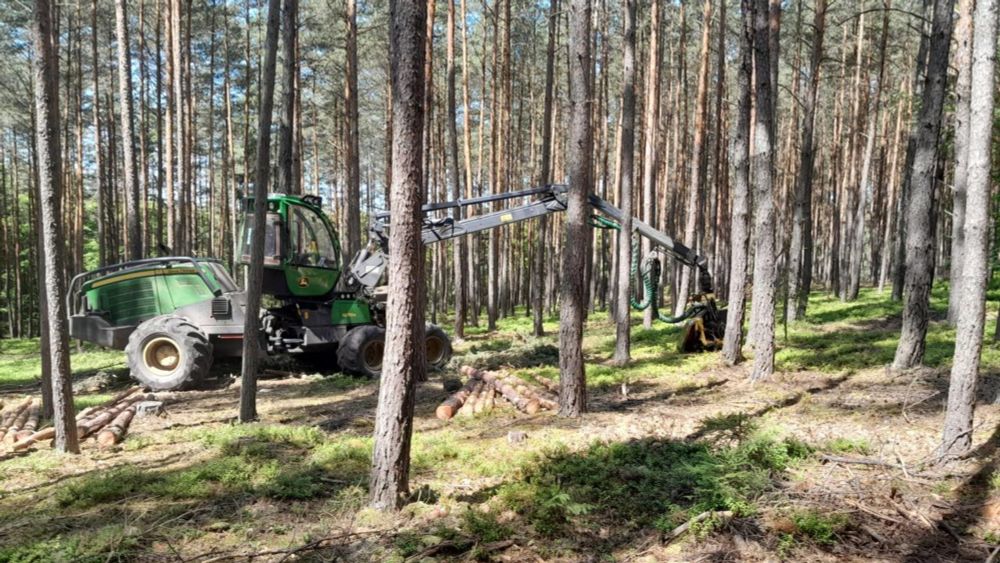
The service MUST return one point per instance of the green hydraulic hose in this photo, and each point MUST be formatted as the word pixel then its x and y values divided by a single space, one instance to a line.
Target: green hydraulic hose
pixel 649 277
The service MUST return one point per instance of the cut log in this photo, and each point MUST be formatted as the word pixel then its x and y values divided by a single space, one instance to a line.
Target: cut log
pixel 10 415
pixel 119 397
pixel 509 392
pixel 450 406
pixel 43 434
pixel 89 426
pixel 485 403
pixel 31 424
pixel 469 408
pixel 19 422
pixel 545 392
pixel 529 392
pixel 114 432
pixel 548 384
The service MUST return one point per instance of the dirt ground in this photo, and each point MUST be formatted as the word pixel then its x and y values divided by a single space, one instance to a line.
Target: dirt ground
pixel 872 435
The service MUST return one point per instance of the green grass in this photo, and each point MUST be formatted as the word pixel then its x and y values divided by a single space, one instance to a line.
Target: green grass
pixel 553 490
pixel 644 484
pixel 20 362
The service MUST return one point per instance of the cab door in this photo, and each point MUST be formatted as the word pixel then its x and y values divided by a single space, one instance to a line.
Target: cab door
pixel 312 255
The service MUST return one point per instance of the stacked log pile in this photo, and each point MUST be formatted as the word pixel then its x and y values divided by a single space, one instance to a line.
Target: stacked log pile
pixel 107 423
pixel 480 391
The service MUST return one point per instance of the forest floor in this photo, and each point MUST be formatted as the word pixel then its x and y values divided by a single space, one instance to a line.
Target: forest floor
pixel 827 461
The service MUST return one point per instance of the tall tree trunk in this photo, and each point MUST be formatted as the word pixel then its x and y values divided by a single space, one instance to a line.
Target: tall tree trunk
pixel 573 305
pixel 251 323
pixel 459 252
pixel 544 175
pixel 352 157
pixel 626 155
pixel 133 251
pixel 762 163
pixel 800 251
pixel 404 352
pixel 865 188
pixel 919 210
pixel 963 86
pixel 920 69
pixel 650 126
pixel 739 234
pixel 957 436
pixel 49 170
pixel 179 244
pixel 102 234
pixel 699 163
pixel 289 72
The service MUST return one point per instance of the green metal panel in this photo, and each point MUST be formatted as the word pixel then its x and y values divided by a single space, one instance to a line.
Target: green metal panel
pixel 129 298
pixel 350 312
pixel 304 281
pixel 185 290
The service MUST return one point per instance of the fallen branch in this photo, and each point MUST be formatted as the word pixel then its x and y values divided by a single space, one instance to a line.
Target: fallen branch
pixel 858 461
pixel 724 515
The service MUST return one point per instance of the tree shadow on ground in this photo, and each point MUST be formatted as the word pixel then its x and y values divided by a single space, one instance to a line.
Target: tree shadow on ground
pixel 969 508
pixel 615 403
pixel 82 518
pixel 613 495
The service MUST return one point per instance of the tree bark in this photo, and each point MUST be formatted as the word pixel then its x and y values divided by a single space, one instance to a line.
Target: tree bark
pixel 699 164
pixel 963 87
pixel 572 373
pixel 800 253
pixel 544 176
pixel 133 250
pixel 459 251
pixel 352 239
pixel 865 188
pixel 739 235
pixel 289 76
pixel 251 324
pixel 404 352
pixel 957 435
pixel 49 170
pixel 762 163
pixel 626 155
pixel 919 209
pixel 650 127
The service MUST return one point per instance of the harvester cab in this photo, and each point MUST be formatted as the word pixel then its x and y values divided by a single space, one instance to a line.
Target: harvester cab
pixel 301 250
pixel 174 315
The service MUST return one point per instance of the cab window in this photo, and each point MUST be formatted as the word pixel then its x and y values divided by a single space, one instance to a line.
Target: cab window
pixel 272 234
pixel 311 243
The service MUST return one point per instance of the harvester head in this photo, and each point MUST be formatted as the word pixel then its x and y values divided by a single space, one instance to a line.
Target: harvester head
pixel 704 331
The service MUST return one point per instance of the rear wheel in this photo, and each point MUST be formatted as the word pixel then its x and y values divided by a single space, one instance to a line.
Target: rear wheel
pixel 438 347
pixel 361 350
pixel 167 353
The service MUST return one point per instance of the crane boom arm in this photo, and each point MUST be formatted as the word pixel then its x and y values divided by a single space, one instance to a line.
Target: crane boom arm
pixel 367 267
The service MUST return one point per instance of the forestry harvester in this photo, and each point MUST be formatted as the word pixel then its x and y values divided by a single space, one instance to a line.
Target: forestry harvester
pixel 173 315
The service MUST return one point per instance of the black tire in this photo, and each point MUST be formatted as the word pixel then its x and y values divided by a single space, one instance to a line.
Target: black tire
pixel 438 347
pixel 168 353
pixel 360 352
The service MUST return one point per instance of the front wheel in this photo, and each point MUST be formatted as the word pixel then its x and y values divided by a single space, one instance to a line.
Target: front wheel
pixel 362 349
pixel 167 353
pixel 360 352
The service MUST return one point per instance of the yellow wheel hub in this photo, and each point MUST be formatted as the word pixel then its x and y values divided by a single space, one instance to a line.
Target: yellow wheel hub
pixel 372 355
pixel 435 350
pixel 161 356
